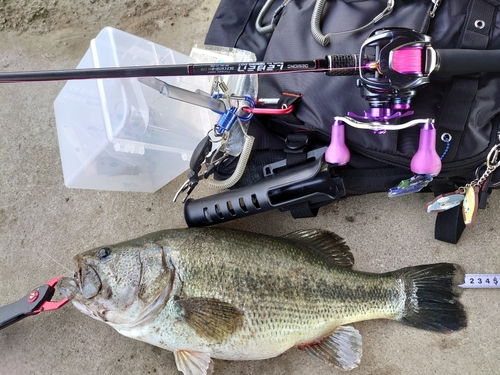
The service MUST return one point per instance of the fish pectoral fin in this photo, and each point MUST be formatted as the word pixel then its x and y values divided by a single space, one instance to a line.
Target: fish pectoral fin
pixel 210 318
pixel 343 348
pixel 327 246
pixel 193 363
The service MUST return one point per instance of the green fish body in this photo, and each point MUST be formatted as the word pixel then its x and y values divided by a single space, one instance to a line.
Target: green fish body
pixel 208 293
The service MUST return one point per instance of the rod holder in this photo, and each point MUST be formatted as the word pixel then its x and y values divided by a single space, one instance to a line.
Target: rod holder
pixel 310 182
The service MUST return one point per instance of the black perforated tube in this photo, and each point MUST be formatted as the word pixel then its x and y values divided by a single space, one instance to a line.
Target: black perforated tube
pixel 301 184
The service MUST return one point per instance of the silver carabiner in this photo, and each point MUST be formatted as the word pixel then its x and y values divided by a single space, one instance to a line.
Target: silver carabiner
pixel 492 160
pixel 492 163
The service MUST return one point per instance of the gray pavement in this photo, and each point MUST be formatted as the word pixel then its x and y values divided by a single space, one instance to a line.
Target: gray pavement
pixel 43 224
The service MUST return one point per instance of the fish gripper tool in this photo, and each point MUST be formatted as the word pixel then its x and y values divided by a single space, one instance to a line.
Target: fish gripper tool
pixel 36 301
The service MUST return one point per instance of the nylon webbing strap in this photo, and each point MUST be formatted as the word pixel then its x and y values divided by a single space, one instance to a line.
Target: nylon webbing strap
pixel 454 113
pixel 296 149
pixel 449 225
pixel 303 210
pixel 456 106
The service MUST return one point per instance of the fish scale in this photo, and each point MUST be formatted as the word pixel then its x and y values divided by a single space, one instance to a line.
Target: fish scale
pixel 261 285
pixel 304 297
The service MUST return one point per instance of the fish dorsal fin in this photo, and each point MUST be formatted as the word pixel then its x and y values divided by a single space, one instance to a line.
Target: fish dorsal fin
pixel 210 318
pixel 343 348
pixel 193 363
pixel 326 245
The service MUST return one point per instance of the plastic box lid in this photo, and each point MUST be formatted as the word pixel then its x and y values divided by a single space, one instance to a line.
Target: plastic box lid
pixel 118 134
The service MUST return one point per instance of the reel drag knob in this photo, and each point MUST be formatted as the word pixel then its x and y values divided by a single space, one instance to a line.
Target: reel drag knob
pixel 337 153
pixel 426 161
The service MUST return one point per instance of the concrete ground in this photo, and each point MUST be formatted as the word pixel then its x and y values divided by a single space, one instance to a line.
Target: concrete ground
pixel 43 224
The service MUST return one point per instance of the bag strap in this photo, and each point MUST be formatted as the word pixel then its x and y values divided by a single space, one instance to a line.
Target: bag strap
pixel 455 108
pixel 449 225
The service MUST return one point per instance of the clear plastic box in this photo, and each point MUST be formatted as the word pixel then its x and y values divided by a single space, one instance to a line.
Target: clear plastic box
pixel 118 134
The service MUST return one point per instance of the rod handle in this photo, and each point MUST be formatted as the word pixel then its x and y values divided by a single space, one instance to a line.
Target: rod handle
pixel 467 61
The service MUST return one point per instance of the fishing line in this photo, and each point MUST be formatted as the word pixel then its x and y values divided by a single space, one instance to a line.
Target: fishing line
pixel 55 261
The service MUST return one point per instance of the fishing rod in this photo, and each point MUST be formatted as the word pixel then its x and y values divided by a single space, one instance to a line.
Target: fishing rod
pixel 442 62
pixel 399 52
pixel 333 64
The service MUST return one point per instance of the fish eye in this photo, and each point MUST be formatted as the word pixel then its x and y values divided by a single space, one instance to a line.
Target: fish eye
pixel 104 253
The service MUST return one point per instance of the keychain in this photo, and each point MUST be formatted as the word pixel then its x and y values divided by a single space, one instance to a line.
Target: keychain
pixel 467 195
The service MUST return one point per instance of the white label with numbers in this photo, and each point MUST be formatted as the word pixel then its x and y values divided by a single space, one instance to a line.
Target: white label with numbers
pixel 481 281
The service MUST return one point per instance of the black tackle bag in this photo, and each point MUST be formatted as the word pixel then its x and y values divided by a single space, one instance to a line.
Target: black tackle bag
pixel 465 107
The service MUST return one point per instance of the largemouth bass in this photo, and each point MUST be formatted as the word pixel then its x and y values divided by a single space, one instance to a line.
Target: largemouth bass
pixel 208 293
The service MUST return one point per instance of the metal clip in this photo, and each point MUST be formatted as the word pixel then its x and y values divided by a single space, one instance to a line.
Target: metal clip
pixel 492 160
pixel 492 163
pixel 269 111
pixel 436 3
pixel 388 10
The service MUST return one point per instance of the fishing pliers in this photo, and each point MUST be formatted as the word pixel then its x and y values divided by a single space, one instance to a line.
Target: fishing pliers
pixel 36 301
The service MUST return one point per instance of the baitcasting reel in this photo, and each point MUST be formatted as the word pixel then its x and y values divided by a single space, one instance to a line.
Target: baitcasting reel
pixel 396 62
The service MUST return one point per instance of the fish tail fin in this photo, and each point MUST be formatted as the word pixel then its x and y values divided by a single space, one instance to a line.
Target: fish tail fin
pixel 431 300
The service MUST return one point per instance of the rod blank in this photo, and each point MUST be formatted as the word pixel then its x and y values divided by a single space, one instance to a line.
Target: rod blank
pixel 166 71
pixel 332 65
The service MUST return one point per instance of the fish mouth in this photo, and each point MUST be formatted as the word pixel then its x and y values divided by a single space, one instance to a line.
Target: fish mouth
pixel 68 287
pixel 90 282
